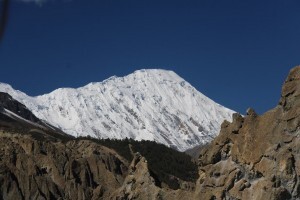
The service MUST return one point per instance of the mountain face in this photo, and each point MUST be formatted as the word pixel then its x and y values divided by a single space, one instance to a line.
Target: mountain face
pixel 155 105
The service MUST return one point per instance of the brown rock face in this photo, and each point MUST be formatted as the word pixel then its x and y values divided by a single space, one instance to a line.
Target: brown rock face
pixel 291 89
pixel 45 170
pixel 256 157
pixel 139 184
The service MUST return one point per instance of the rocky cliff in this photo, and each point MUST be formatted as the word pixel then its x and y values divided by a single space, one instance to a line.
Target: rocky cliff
pixel 256 157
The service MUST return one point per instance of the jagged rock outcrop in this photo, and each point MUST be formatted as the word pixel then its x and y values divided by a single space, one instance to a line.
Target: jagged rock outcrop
pixel 140 184
pixel 256 157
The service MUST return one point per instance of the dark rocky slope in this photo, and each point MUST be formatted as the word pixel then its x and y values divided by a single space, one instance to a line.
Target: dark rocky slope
pixel 15 117
pixel 7 102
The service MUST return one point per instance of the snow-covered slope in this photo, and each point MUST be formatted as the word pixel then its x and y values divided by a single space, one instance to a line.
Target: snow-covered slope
pixel 148 104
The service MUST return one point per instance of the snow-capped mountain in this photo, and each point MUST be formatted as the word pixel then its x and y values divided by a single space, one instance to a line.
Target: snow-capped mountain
pixel 147 104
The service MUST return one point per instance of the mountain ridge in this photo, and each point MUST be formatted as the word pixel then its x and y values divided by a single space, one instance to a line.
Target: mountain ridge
pixel 150 104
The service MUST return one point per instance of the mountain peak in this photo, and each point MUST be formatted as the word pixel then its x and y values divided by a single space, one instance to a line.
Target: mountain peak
pixel 157 74
pixel 144 75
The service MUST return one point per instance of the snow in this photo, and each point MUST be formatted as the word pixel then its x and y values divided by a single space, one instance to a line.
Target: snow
pixel 148 104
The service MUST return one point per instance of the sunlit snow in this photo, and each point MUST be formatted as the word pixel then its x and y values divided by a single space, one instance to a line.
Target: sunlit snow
pixel 146 105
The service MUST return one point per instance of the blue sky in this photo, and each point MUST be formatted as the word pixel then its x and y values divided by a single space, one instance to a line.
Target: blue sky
pixel 236 52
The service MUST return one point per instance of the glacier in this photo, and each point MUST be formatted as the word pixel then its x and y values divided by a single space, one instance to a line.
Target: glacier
pixel 152 104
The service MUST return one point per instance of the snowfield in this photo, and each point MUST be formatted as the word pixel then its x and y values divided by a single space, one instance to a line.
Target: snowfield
pixel 148 104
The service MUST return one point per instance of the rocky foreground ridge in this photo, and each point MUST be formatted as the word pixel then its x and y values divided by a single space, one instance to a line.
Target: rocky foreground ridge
pixel 254 157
